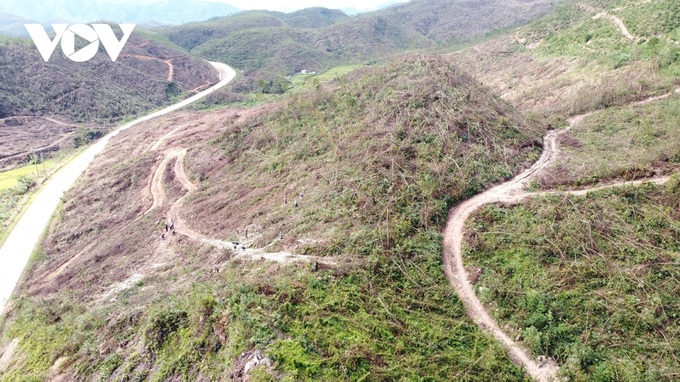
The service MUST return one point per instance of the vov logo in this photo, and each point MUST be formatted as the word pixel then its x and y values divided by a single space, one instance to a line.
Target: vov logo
pixel 67 35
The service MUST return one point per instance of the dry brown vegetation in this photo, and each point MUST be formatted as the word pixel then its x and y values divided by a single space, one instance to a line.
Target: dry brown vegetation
pixel 98 90
pixel 556 87
pixel 46 106
pixel 361 153
pixel 22 136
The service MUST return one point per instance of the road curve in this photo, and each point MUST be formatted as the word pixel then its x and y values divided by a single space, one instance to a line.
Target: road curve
pixel 20 243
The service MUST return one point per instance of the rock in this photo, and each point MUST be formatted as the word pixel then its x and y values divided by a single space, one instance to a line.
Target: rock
pixel 247 362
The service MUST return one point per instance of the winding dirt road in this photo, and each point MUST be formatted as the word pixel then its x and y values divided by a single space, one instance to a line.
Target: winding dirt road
pixel 20 243
pixel 510 192
pixel 157 190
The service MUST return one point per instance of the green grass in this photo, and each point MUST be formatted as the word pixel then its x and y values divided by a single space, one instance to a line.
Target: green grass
pixel 10 178
pixel 571 31
pixel 382 157
pixel 592 281
pixel 301 82
pixel 625 142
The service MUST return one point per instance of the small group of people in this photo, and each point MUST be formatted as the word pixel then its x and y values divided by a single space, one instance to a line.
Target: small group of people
pixel 169 227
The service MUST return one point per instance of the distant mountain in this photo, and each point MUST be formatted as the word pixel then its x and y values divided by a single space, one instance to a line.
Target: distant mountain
pixel 13 25
pixel 356 11
pixel 447 20
pixel 313 17
pixel 269 45
pixel 156 11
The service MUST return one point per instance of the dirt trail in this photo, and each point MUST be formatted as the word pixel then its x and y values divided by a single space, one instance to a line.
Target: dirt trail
pixel 171 67
pixel 157 190
pixel 619 23
pixel 199 88
pixel 512 191
pixel 21 241
pixel 171 70
pixel 158 195
pixel 7 353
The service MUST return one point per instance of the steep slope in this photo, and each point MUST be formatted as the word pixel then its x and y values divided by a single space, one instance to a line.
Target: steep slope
pixel 98 90
pixel 590 280
pixel 588 276
pixel 46 107
pixel 360 174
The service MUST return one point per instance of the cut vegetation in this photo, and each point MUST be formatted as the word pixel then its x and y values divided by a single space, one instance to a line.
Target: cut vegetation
pixel 378 203
pixel 592 281
pixel 357 177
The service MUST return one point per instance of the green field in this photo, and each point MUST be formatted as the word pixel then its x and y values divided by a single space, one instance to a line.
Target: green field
pixel 10 179
pixel 303 81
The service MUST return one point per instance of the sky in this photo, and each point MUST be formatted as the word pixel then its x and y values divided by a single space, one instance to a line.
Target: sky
pixel 292 5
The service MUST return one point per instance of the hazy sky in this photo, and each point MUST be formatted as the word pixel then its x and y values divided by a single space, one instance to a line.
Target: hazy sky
pixel 291 5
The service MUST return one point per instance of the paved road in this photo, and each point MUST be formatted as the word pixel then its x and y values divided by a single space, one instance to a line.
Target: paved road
pixel 19 245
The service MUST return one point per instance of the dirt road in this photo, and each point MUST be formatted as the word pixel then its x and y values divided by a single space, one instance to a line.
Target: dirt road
pixel 20 243
pixel 243 249
pixel 512 191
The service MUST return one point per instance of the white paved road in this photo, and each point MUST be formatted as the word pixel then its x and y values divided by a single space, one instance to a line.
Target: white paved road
pixel 19 245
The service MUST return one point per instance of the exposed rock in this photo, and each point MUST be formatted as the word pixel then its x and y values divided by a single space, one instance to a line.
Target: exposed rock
pixel 246 363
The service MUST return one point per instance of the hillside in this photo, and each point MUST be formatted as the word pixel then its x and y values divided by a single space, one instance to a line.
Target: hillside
pixel 98 90
pixel 353 180
pixel 578 59
pixel 581 264
pixel 57 99
pixel 596 287
pixel 310 18
pixel 372 228
pixel 12 25
pixel 272 45
pixel 446 21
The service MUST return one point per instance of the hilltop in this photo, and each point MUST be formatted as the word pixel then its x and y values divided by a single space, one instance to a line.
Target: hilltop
pixel 355 179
